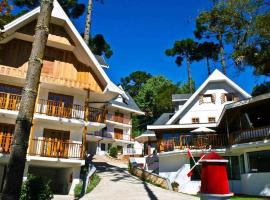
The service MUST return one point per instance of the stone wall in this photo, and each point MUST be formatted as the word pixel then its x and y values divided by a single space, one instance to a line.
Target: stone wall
pixel 150 177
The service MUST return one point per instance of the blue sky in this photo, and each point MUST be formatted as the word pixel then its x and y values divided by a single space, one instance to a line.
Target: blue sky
pixel 139 31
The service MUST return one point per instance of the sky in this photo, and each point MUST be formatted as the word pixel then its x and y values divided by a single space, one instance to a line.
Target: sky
pixel 139 31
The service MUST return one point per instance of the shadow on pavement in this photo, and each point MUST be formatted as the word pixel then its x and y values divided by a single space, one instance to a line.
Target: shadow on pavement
pixel 120 174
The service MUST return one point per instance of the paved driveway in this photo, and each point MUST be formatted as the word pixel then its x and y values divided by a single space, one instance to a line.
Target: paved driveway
pixel 117 184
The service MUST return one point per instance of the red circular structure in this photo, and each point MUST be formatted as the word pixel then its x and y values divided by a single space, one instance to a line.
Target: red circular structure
pixel 214 178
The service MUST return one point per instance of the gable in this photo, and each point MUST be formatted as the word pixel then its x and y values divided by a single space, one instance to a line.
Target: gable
pixel 215 78
pixel 81 52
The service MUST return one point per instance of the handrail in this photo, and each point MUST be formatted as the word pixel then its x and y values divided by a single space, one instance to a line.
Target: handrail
pixel 203 141
pixel 119 119
pixel 250 135
pixel 48 147
pixel 10 101
pixel 60 109
pixel 5 143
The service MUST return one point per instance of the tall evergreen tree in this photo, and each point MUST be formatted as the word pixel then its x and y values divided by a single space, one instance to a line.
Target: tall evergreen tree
pixel 185 49
pixel 214 24
pixel 17 159
pixel 209 51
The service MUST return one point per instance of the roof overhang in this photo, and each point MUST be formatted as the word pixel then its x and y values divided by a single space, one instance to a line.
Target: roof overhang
pixel 126 109
pixel 179 126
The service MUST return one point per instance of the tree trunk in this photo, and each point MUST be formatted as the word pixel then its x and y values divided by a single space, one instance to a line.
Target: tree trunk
pixel 16 162
pixel 88 22
pixel 208 66
pixel 189 76
pixel 221 51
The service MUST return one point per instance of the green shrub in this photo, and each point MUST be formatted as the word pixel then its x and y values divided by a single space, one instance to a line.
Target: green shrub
pixel 95 179
pixel 36 188
pixel 113 152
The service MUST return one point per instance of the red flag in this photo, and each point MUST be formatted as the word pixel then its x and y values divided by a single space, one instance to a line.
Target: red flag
pixel 189 174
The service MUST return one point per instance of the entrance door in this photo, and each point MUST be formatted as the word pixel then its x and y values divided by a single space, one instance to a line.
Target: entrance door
pixel 55 143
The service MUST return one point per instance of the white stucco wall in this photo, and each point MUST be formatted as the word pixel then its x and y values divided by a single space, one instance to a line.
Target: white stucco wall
pixel 256 184
pixel 205 110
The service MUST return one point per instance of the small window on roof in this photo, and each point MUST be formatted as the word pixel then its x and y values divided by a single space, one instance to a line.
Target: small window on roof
pixel 207 98
pixel 211 119
pixel 195 120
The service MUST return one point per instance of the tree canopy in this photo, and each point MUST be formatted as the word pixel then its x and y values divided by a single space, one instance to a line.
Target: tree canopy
pixel 261 89
pixel 185 49
pixel 99 46
pixel 133 83
pixel 73 8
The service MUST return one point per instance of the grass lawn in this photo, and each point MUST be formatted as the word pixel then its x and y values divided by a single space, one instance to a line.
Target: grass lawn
pixel 247 198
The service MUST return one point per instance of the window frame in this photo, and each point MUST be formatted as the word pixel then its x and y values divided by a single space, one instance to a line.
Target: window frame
pixel 209 121
pixel 196 119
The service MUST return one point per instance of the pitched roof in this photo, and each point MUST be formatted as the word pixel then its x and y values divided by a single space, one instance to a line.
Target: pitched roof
pixel 59 14
pixel 216 76
pixel 179 97
pixel 162 120
pixel 128 104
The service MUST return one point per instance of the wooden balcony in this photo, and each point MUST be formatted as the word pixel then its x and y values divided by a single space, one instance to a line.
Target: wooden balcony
pixel 121 136
pixel 204 141
pixel 250 135
pixel 45 147
pixel 60 109
pixel 96 115
pixel 5 143
pixel 9 101
pixel 119 119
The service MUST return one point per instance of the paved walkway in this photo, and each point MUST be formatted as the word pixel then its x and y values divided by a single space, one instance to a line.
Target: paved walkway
pixel 117 184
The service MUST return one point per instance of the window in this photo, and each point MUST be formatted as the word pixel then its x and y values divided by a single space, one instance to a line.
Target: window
pixel 10 89
pixel 259 161
pixel 211 119
pixel 102 146
pixel 207 98
pixel 233 167
pixel 195 120
pixel 242 164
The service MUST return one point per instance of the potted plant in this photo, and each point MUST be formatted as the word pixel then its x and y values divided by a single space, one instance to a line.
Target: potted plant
pixel 175 186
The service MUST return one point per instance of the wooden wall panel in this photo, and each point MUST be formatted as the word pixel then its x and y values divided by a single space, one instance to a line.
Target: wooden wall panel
pixel 57 63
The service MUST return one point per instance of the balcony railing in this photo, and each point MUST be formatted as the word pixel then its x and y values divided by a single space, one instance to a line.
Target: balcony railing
pixel 9 101
pixel 101 134
pixel 60 109
pixel 119 119
pixel 96 115
pixel 250 135
pixel 47 147
pixel 204 141
pixel 5 143
pixel 121 136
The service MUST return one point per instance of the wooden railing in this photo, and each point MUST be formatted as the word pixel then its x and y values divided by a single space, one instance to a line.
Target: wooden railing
pixel 121 136
pixel 96 115
pixel 5 143
pixel 119 119
pixel 48 147
pixel 10 101
pixel 204 141
pixel 250 135
pixel 60 109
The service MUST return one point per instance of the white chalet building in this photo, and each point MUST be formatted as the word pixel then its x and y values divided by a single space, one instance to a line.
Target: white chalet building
pixel 66 111
pixel 238 129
